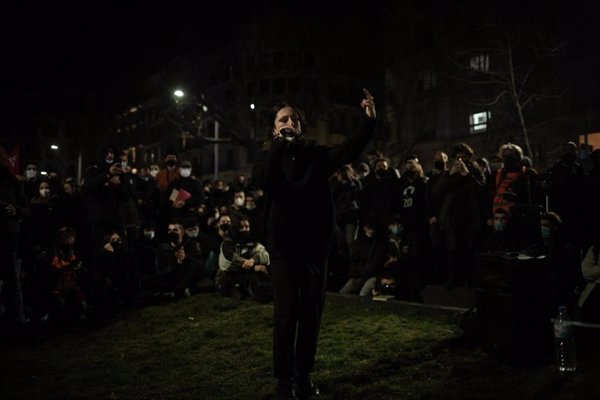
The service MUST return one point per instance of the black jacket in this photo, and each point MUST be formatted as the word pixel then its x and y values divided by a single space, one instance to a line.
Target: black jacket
pixel 299 208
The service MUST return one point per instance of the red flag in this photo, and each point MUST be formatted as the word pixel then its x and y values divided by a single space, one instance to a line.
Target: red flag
pixel 13 161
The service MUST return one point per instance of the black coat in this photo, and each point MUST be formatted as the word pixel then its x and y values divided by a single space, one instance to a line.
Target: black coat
pixel 299 209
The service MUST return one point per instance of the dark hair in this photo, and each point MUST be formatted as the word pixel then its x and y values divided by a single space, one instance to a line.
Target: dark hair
pixel 62 234
pixel 462 148
pixel 272 114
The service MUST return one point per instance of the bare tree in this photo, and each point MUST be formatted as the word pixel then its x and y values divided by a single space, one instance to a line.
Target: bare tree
pixel 516 71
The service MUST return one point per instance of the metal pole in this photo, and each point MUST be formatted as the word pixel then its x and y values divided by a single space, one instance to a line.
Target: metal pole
pixel 79 167
pixel 216 149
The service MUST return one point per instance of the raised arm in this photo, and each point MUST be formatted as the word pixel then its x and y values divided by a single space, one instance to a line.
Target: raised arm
pixel 349 151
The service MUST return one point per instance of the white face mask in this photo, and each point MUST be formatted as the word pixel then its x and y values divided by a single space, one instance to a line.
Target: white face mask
pixel 185 172
pixel 30 174
pixel 153 173
pixel 149 235
pixel 193 233
pixel 238 201
pixel 44 192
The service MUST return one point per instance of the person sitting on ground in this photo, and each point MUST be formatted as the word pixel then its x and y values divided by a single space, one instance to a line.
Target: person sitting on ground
pixel 244 265
pixel 501 238
pixel 367 257
pixel 563 262
pixel 62 283
pixel 178 265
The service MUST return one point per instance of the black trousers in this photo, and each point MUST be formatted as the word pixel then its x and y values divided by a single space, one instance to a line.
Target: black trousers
pixel 298 297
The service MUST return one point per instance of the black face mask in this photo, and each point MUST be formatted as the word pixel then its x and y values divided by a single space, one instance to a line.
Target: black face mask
pixel 381 173
pixel 173 237
pixel 440 165
pixel 244 234
pixel 67 250
pixel 171 163
pixel 116 244
pixel 512 164
pixel 225 227
pixel 569 158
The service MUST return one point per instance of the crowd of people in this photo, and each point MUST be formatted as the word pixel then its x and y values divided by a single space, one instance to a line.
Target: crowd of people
pixel 155 232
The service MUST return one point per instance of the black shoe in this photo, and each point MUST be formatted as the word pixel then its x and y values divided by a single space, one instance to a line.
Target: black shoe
pixel 285 390
pixel 306 388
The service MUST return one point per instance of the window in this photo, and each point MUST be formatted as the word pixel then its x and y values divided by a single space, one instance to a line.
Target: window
pixel 426 80
pixel 480 63
pixel 479 121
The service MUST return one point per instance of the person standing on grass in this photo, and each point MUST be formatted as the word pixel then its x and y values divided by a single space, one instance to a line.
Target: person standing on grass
pixel 294 173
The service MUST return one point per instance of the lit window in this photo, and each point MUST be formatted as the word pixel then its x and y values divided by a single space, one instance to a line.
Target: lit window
pixel 479 121
pixel 480 63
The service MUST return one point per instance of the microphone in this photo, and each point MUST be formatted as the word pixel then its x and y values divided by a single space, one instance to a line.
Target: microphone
pixel 289 134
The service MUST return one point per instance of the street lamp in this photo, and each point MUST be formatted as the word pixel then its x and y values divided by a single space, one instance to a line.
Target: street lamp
pixel 178 93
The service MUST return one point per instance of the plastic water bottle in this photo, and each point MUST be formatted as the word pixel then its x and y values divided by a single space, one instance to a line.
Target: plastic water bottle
pixel 564 339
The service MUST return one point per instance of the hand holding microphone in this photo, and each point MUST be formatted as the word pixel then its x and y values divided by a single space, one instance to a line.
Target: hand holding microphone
pixel 288 134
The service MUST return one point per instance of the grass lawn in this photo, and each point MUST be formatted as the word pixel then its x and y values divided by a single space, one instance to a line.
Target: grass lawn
pixel 210 347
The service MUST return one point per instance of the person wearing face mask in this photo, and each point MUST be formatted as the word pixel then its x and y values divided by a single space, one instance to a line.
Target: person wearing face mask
pixel 47 214
pixel 31 180
pixel 368 254
pixel 146 195
pixel 379 197
pixel 61 282
pixel 179 264
pixel 461 215
pixel 244 266
pixel 145 250
pixel 394 279
pixel 183 196
pixel 171 172
pixel 567 194
pixel 437 257
pixel 238 204
pixel 412 206
pixel 502 237
pixel 106 197
pixel 153 171
pixel 562 262
pixel 115 274
pixel 513 189
pixel 212 244
pixel 294 173
pixel 255 215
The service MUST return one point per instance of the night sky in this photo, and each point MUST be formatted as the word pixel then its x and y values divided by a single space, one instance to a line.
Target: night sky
pixel 86 48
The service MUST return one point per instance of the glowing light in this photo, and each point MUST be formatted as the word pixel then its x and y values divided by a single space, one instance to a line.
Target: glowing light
pixel 54 147
pixel 252 106
pixel 178 93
